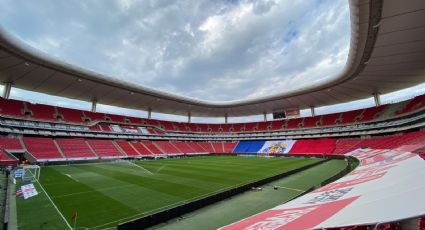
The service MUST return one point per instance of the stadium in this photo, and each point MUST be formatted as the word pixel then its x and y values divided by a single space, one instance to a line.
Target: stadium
pixel 217 167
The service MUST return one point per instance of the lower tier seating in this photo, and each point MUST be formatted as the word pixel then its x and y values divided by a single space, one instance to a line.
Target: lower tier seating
pixel 128 149
pixel 74 147
pixel 104 148
pixel 42 148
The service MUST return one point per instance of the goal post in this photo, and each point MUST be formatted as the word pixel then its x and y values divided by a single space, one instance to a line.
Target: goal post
pixel 32 172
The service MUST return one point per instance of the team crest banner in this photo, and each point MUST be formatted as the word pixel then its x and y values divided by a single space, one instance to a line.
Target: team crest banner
pixel 277 146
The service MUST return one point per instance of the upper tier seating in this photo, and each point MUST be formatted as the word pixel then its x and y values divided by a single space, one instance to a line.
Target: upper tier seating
pixel 167 125
pixel 372 112
pixel 202 128
pixel 180 126
pixel 42 112
pixel 294 123
pixel 215 128
pixel 21 109
pixel 104 148
pixel 263 126
pixel 74 147
pixel 71 115
pixel 310 122
pixel 351 116
pixel 226 127
pixel 330 119
pixel 94 116
pixel 277 125
pixel 415 104
pixel 11 107
pixel 42 148
pixel 251 126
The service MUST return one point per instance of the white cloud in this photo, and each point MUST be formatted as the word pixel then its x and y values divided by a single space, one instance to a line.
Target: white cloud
pixel 214 50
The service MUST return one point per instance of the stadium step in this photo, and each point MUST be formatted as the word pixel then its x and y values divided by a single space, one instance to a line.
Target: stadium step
pixel 59 149
pixel 119 148
pixel 91 149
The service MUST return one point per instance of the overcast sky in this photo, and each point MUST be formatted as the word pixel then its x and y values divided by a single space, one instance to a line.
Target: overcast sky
pixel 211 50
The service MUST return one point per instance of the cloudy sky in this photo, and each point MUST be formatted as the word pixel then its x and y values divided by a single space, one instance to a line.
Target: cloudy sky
pixel 213 50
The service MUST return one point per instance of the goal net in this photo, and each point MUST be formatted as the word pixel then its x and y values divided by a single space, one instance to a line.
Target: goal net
pixel 31 173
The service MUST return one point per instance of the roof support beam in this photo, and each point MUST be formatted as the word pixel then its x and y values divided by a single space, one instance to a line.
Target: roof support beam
pixel 149 113
pixel 377 97
pixel 93 105
pixel 265 116
pixel 189 117
pixel 313 112
pixel 225 118
pixel 6 90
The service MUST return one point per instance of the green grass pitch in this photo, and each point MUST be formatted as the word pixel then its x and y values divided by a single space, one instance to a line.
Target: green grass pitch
pixel 106 194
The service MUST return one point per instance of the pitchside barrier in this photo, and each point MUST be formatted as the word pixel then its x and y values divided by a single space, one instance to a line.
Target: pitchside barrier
pixel 165 215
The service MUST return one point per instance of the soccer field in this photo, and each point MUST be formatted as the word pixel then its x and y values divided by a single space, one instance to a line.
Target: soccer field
pixel 105 194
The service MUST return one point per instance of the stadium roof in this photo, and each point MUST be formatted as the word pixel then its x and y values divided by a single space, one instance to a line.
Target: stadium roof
pixel 387 52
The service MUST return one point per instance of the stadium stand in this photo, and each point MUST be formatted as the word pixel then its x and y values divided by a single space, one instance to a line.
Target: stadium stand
pixel 6 159
pixel 320 146
pixel 42 148
pixel 127 148
pixel 94 116
pixel 74 148
pixel 152 147
pixel 12 107
pixel 141 148
pixel 167 147
pixel 71 115
pixel 197 147
pixel 20 109
pixel 8 143
pixel 310 122
pixel 371 113
pixel 42 112
pixel 414 104
pixel 104 148
pixel 330 119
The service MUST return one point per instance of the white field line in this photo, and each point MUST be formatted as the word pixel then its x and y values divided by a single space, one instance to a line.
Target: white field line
pixel 160 168
pixel 131 163
pixel 41 186
pixel 96 190
pixel 72 177
pixel 294 189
